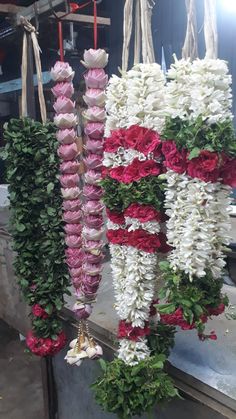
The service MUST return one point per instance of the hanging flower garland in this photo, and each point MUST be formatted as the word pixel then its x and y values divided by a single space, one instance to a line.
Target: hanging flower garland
pixel 199 152
pixel 133 194
pixel 32 168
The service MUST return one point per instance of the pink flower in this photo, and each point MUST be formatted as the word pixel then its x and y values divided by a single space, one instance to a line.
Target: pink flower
pixel 93 247
pixel 75 272
pixel 94 221
pixel 74 252
pixel 93 161
pixel 89 290
pixel 64 105
pixel 45 346
pixel 91 192
pixel 96 78
pixel 95 97
pixel 63 89
pixel 204 167
pixel 71 193
pixel 92 233
pixel 92 177
pixel 73 240
pixel 76 281
pixel 69 166
pixel 39 311
pixel 62 72
pixel 92 269
pixel 65 120
pixel 74 262
pixel 69 181
pixel 94 130
pixel 94 146
pixel 91 280
pixel 72 217
pixel 174 159
pixel 95 58
pixel 67 151
pixel 82 311
pixel 95 114
pixel 73 229
pixel 94 258
pixel 228 173
pixel 117 140
pixel 93 207
pixel 72 205
pixel 66 136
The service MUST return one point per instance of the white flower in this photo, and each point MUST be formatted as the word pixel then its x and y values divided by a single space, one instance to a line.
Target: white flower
pixel 95 58
pixel 133 352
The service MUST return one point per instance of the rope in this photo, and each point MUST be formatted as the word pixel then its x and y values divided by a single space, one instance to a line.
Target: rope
pixel 32 31
pixel 137 35
pixel 210 29
pixel 95 26
pixel 127 30
pixel 190 48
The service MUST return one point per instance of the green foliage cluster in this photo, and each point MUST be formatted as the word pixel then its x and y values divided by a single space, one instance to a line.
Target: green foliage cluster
pixel 161 338
pixel 195 298
pixel 36 218
pixel 147 191
pixel 197 135
pixel 131 390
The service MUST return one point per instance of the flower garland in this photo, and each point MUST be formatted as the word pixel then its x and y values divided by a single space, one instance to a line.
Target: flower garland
pixel 32 168
pixel 201 163
pixel 133 194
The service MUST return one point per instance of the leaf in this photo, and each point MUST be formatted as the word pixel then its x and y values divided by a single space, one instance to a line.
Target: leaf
pixel 50 187
pixel 102 364
pixel 20 227
pixel 194 153
pixel 166 308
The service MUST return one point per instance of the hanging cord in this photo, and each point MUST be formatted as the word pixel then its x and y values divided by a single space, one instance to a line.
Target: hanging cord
pixel 146 25
pixel 137 35
pixel 210 29
pixel 95 26
pixel 127 31
pixel 190 48
pixel 32 31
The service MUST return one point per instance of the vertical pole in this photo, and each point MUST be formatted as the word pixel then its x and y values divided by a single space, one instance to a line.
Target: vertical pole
pixel 30 80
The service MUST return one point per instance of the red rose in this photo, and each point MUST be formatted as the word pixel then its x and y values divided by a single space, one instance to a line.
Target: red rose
pixel 149 167
pixel 143 213
pixel 115 217
pixel 143 240
pixel 216 311
pixel 117 173
pixel 131 137
pixel 205 166
pixel 126 330
pixel 148 142
pixel 117 236
pixel 39 311
pixel 174 159
pixel 228 173
pixel 116 140
pixel 132 172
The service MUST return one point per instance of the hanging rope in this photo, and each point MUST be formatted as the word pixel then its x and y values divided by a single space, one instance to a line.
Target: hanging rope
pixel 190 48
pixel 32 31
pixel 210 29
pixel 142 31
pixel 95 25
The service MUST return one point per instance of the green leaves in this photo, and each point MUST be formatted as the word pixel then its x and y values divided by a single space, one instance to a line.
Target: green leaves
pixel 128 391
pixel 36 222
pixel 194 153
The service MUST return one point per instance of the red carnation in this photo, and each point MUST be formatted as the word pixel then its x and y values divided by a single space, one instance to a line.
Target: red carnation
pixel 205 166
pixel 117 173
pixel 45 346
pixel 104 172
pixel 116 140
pixel 174 159
pixel 143 213
pixel 143 240
pixel 216 311
pixel 132 172
pixel 39 311
pixel 177 319
pixel 143 139
pixel 117 236
pixel 127 331
pixel 149 167
pixel 228 173
pixel 115 217
pixel 131 137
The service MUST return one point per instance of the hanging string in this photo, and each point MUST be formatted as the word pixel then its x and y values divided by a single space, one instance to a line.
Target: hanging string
pixel 210 29
pixel 146 25
pixel 95 26
pixel 60 37
pixel 31 29
pixel 190 48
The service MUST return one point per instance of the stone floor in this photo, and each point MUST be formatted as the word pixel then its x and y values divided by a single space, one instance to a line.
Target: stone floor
pixel 21 395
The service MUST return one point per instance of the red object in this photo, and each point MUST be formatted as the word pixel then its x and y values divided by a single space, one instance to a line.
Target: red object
pixel 60 35
pixel 45 346
pixel 74 7
pixel 127 331
pixel 95 26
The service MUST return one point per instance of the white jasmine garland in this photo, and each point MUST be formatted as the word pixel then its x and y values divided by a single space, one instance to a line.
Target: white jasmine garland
pixel 116 104
pixel 199 224
pixel 132 352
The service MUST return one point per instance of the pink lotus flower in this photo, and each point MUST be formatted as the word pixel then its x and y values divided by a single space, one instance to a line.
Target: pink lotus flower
pixel 92 192
pixel 73 240
pixel 89 290
pixel 74 252
pixel 92 234
pixel 95 114
pixel 66 136
pixel 76 281
pixel 95 97
pixel 75 272
pixel 92 270
pixel 94 221
pixel 72 205
pixel 93 247
pixel 93 161
pixel 92 177
pixel 94 258
pixel 96 78
pixel 94 146
pixel 65 120
pixel 91 280
pixel 67 151
pixel 95 58
pixel 69 181
pixel 94 130
pixel 74 262
pixel 63 89
pixel 93 207
pixel 62 72
pixel 74 229
pixel 71 193
pixel 82 311
pixel 69 166
pixel 72 217
pixel 64 105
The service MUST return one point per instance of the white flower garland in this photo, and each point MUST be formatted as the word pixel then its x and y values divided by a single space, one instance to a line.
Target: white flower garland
pixel 133 352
